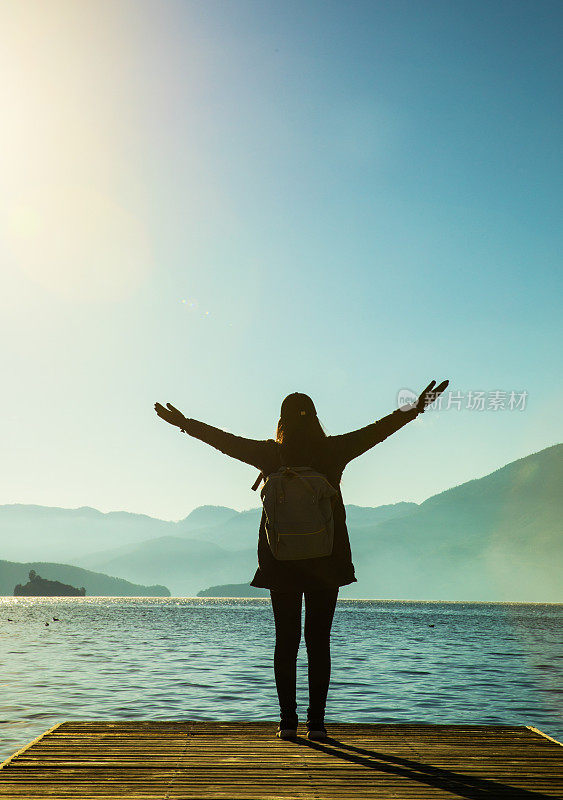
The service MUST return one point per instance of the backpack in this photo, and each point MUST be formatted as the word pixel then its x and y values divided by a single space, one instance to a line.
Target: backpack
pixel 298 504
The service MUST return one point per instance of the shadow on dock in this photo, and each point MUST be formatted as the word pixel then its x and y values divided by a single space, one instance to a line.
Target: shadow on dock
pixel 455 783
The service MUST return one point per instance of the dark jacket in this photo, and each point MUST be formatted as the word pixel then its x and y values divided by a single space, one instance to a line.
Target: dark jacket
pixel 332 455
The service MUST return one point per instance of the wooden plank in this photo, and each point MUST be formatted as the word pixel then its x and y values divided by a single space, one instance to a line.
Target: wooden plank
pixel 244 761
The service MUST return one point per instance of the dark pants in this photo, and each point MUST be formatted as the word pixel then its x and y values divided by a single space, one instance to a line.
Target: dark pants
pixel 319 612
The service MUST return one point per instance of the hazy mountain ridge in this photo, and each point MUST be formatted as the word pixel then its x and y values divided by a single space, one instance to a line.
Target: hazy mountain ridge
pixel 498 537
pixel 206 517
pixel 189 564
pixel 52 533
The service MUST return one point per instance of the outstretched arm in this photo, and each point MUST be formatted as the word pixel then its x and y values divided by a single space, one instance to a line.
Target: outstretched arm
pixel 251 451
pixel 348 446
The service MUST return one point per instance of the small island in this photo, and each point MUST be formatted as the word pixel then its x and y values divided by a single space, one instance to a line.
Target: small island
pixel 41 587
pixel 234 590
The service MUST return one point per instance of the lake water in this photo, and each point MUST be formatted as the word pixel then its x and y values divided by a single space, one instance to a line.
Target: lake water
pixel 184 658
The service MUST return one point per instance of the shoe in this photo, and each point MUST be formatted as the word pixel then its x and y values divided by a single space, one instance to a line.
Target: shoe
pixel 286 733
pixel 287 729
pixel 316 731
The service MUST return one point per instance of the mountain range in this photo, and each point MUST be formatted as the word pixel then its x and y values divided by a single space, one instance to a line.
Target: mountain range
pixel 492 538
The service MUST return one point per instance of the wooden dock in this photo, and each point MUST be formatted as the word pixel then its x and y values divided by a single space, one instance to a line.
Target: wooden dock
pixel 220 760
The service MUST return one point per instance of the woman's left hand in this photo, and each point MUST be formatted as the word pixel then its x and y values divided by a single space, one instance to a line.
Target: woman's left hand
pixel 171 415
pixel 430 394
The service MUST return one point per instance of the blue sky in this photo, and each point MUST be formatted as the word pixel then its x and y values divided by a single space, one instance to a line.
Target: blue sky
pixel 216 204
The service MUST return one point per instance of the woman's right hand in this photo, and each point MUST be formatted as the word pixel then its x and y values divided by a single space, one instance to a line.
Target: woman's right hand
pixel 171 415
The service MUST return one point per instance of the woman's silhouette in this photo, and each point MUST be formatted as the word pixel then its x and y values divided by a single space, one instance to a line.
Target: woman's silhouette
pixel 301 441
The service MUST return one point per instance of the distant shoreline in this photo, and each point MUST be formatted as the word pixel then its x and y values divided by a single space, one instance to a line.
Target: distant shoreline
pixel 267 600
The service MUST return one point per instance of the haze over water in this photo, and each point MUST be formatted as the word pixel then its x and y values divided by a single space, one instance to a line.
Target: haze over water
pixel 186 658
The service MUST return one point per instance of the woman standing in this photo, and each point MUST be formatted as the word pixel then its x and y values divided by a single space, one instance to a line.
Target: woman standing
pixel 301 441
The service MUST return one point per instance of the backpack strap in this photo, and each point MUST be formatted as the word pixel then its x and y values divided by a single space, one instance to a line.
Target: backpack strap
pixel 257 482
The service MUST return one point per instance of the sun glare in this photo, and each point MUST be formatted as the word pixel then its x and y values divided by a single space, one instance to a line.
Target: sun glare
pixel 77 241
pixel 69 217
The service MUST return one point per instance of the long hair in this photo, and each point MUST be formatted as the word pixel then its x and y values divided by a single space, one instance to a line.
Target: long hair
pixel 299 428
